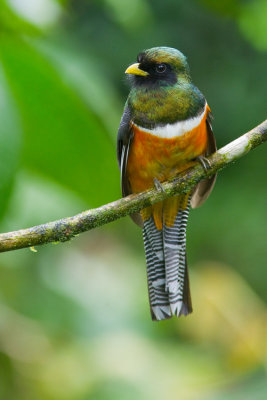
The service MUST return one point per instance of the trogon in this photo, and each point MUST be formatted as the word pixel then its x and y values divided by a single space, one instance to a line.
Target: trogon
pixel 165 129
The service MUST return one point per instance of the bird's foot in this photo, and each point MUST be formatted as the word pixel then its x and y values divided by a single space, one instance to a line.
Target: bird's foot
pixel 205 162
pixel 158 185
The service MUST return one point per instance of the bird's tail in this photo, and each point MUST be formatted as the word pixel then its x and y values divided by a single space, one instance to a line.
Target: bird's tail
pixel 164 235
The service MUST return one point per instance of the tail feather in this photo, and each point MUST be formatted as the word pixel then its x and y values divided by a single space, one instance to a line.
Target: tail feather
pixel 158 297
pixel 187 303
pixel 175 263
pixel 167 273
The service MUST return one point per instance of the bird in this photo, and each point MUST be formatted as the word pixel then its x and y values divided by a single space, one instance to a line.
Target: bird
pixel 165 129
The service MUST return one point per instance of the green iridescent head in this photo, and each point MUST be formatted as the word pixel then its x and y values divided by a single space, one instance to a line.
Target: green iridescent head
pixel 158 67
pixel 161 88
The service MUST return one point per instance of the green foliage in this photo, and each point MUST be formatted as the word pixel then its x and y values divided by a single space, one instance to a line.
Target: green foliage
pixel 10 140
pixel 252 22
pixel 74 318
pixel 11 22
pixel 249 15
pixel 52 115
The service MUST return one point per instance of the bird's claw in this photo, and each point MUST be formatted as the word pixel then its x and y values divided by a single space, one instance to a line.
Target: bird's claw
pixel 158 185
pixel 205 162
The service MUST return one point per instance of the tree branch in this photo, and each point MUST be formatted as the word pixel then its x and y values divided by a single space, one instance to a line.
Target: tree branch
pixel 66 228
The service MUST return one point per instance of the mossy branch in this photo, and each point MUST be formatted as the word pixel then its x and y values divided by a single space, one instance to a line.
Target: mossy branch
pixel 66 228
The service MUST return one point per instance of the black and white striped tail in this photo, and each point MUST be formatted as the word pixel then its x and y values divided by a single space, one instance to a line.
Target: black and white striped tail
pixel 167 274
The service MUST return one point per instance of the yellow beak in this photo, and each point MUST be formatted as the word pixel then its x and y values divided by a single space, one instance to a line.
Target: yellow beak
pixel 135 70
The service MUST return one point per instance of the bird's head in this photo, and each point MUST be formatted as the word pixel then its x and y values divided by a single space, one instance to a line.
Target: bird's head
pixel 159 67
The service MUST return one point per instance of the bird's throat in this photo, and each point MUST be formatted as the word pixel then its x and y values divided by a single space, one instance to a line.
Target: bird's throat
pixel 165 105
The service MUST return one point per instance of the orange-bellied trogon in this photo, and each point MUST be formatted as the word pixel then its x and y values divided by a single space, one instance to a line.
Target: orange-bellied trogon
pixel 164 129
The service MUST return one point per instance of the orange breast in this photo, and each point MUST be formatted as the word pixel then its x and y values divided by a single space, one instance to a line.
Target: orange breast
pixel 154 157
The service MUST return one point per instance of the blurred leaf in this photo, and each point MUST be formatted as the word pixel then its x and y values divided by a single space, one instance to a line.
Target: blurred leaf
pixel 227 7
pixel 63 137
pixel 36 198
pixel 253 23
pixel 136 14
pixel 87 76
pixel 10 21
pixel 38 12
pixel 10 138
pixel 249 15
pixel 6 375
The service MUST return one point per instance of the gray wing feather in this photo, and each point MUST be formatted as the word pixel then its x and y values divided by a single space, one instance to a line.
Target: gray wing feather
pixel 124 140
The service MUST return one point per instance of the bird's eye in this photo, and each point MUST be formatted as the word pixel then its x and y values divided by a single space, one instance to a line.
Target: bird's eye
pixel 160 68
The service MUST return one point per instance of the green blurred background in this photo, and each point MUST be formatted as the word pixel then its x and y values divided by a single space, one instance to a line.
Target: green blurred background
pixel 74 317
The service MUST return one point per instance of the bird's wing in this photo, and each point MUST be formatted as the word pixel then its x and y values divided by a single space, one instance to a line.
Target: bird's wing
pixel 124 140
pixel 204 187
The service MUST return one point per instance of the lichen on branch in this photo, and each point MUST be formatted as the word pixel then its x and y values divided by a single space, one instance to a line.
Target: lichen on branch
pixel 64 229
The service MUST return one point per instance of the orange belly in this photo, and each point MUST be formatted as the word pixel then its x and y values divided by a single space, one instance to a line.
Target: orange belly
pixel 152 157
